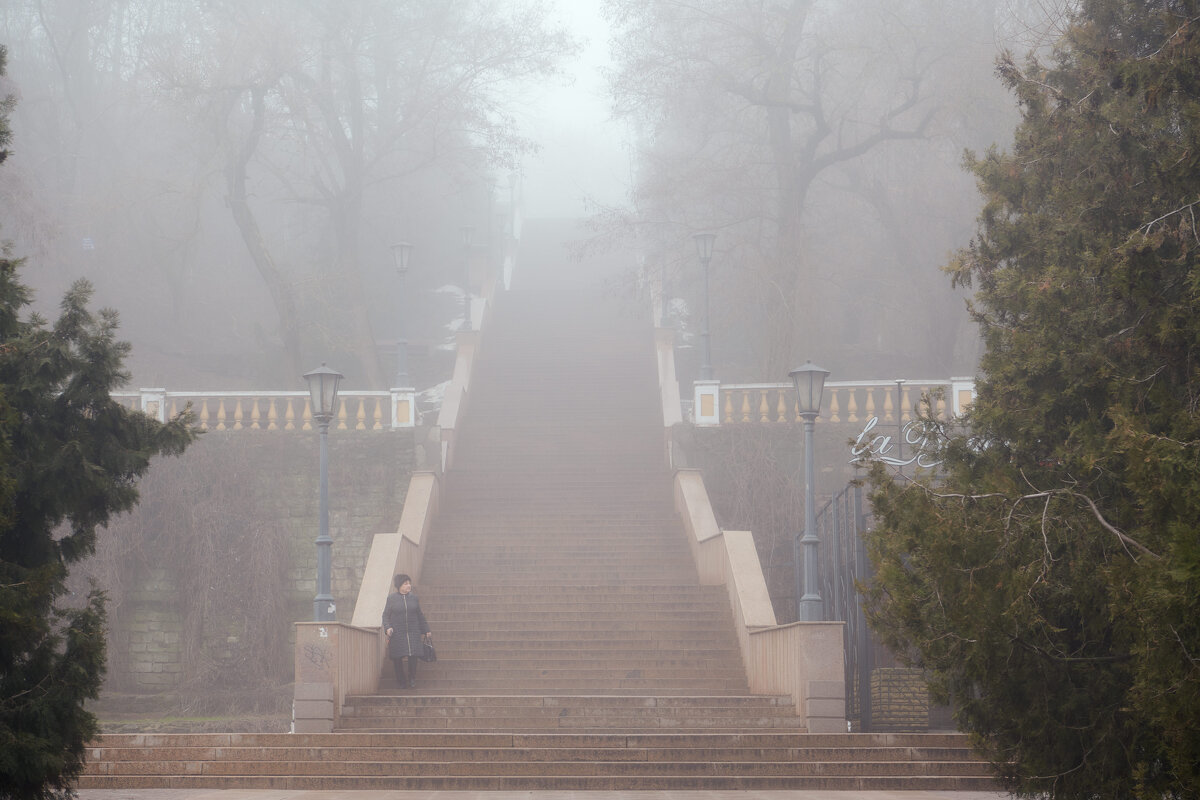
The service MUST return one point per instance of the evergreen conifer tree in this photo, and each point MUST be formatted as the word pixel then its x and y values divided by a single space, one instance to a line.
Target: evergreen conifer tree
pixel 70 457
pixel 1048 577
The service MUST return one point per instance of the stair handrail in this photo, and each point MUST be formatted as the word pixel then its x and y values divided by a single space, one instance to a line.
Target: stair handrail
pixel 668 382
pixel 803 659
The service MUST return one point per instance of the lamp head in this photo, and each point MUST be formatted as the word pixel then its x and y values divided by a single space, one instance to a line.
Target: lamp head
pixel 810 383
pixel 322 391
pixel 704 245
pixel 401 252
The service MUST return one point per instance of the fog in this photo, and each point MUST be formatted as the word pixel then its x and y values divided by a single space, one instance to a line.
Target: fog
pixel 230 176
pixel 584 156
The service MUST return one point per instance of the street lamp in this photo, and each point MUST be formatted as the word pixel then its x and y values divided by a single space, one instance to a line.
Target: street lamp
pixel 401 252
pixel 810 383
pixel 322 390
pixel 468 232
pixel 704 249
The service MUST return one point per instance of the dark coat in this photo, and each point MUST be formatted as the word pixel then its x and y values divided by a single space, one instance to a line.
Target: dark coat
pixel 402 613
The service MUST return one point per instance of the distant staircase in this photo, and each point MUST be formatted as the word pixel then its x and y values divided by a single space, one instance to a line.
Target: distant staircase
pixel 577 648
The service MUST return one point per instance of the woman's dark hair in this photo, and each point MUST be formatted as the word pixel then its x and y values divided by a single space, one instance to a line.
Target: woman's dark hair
pixel 399 580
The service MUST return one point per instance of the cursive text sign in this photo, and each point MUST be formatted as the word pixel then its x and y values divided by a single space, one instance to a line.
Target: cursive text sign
pixel 881 446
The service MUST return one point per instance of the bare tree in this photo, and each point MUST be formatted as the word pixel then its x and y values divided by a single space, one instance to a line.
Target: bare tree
pixel 766 122
pixel 337 102
pixel 154 129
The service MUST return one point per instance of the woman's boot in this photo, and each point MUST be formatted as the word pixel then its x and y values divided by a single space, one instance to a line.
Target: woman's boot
pixel 401 680
pixel 412 671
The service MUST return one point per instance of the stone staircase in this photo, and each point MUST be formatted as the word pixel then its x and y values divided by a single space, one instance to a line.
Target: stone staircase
pixel 577 649
pixel 547 761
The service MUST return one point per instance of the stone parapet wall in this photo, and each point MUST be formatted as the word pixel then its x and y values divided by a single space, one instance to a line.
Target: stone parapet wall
pixel 208 574
pixel 153 633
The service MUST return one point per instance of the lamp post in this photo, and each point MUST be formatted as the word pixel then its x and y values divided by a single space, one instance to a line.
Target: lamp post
pixel 401 252
pixel 468 232
pixel 704 249
pixel 810 383
pixel 322 390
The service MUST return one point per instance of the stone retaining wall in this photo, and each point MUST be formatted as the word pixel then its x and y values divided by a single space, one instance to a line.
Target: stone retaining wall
pixel 248 504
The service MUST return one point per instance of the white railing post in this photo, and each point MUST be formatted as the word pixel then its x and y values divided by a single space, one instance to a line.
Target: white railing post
pixel 962 394
pixel 706 410
pixel 153 403
pixel 404 408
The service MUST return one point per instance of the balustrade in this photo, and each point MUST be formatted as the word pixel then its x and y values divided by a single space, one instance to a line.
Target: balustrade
pixel 844 401
pixel 275 411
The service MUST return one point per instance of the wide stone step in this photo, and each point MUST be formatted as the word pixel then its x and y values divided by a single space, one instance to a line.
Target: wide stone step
pixel 600 593
pixel 527 628
pixel 562 769
pixel 574 702
pixel 534 618
pixel 469 657
pixel 134 755
pixel 612 649
pixel 514 651
pixel 626 723
pixel 618 525
pixel 659 516
pixel 586 550
pixel 601 589
pixel 456 607
pixel 513 740
pixel 528 683
pixel 596 712
pixel 616 540
pixel 459 654
pixel 581 561
pixel 445 574
pixel 635 642
pixel 710 782
pixel 431 760
pixel 585 671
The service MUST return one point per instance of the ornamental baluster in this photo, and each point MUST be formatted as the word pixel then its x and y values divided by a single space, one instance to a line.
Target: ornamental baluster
pixel 852 405
pixel 887 406
pixel 781 406
pixel 728 413
pixel 289 415
pixel 361 416
pixel 762 406
pixel 870 403
pixel 341 426
pixel 745 406
pixel 237 414
pixel 204 413
pixel 833 405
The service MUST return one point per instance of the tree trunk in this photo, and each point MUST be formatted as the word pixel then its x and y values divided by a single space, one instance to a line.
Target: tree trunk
pixel 280 290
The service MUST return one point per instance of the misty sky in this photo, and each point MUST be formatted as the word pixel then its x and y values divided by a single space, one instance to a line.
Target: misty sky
pixel 583 152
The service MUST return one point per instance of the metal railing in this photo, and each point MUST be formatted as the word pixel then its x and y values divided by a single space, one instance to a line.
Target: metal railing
pixel 840 524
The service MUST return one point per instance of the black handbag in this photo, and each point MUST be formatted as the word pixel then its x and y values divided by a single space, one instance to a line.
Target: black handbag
pixel 427 652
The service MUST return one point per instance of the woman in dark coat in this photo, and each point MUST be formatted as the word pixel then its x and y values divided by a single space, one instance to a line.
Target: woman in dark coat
pixel 406 628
